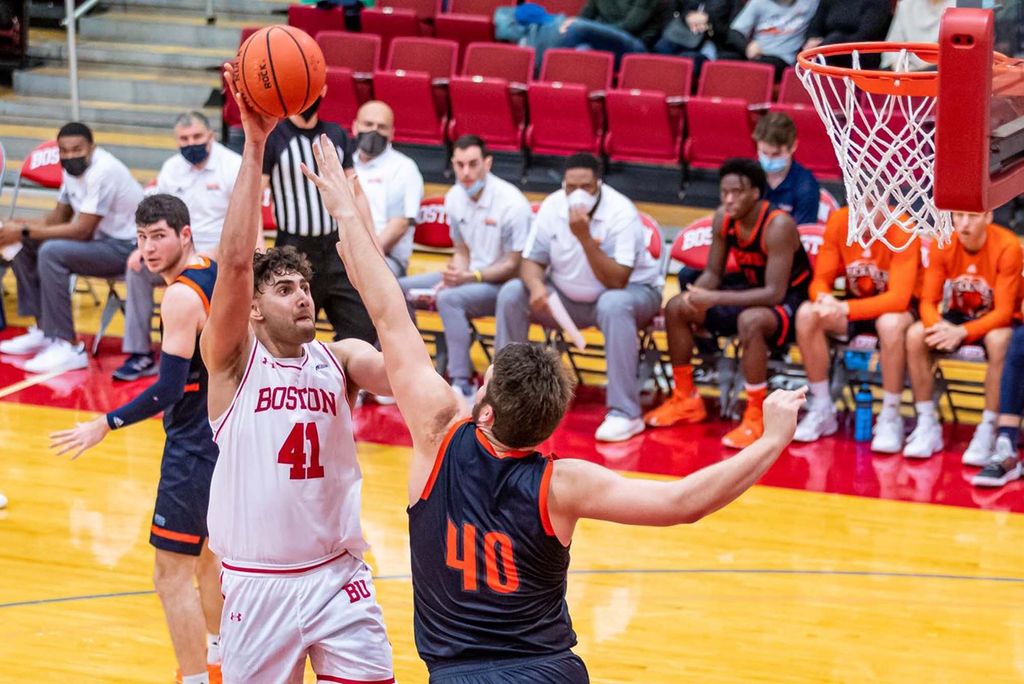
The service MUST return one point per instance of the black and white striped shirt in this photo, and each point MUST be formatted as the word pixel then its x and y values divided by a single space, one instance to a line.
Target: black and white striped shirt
pixel 297 206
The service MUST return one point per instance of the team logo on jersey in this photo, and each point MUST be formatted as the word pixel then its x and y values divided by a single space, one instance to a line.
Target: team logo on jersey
pixel 311 399
pixel 865 279
pixel 970 295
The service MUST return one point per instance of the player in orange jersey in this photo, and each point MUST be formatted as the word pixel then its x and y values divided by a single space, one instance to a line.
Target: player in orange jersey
pixel 880 285
pixel 981 271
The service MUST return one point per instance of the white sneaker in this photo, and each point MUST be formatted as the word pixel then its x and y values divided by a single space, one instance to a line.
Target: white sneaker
pixel 888 437
pixel 618 429
pixel 60 355
pixel 31 342
pixel 383 400
pixel 925 440
pixel 982 446
pixel 3 501
pixel 818 422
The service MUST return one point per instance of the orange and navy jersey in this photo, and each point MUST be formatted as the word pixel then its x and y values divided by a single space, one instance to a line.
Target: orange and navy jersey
pixel 752 256
pixel 488 572
pixel 878 279
pixel 983 287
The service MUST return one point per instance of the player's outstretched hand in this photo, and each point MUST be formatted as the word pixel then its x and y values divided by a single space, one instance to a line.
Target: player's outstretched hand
pixel 80 438
pixel 330 179
pixel 257 126
pixel 780 411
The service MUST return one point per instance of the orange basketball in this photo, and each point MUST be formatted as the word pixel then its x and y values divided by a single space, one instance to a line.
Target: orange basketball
pixel 281 70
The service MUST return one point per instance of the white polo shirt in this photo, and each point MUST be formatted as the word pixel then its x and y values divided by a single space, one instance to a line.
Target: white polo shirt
pixel 498 222
pixel 107 190
pixel 615 225
pixel 394 189
pixel 204 191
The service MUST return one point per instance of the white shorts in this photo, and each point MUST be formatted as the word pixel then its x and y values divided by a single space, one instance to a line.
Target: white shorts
pixel 272 621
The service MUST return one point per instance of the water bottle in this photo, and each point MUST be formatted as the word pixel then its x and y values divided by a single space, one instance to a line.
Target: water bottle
pixel 862 414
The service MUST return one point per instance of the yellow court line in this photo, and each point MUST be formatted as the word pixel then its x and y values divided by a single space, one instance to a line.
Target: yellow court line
pixel 29 382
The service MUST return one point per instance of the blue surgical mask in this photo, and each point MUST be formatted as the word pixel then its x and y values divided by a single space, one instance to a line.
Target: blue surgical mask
pixel 473 189
pixel 194 154
pixel 773 164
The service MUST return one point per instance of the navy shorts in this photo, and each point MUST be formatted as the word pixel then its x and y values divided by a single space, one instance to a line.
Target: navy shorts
pixel 182 499
pixel 561 668
pixel 721 320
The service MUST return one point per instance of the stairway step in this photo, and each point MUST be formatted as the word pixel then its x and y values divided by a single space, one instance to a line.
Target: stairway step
pixel 256 12
pixel 137 148
pixel 139 85
pixel 167 29
pixel 134 54
pixel 57 111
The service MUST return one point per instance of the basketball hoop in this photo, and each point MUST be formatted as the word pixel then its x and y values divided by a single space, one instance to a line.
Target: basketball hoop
pixel 882 126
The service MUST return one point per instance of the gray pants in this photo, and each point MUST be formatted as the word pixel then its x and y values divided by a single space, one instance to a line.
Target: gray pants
pixel 457 306
pixel 43 271
pixel 618 314
pixel 138 315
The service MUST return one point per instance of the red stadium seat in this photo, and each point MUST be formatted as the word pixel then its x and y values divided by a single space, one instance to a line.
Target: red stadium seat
pixel 591 68
pixel 812 235
pixel 826 205
pixel 495 60
pixel 483 106
pixel 717 129
pixel 792 91
pixel 313 20
pixel 747 81
pixel 671 75
pixel 229 111
pixel 561 120
pixel 389 23
pixel 693 243
pixel 267 211
pixel 425 10
pixel 359 52
pixel 569 8
pixel 342 100
pixel 436 57
pixel 640 128
pixel 407 92
pixel 815 149
pixel 432 228
pixel 655 240
pixel 482 7
pixel 463 29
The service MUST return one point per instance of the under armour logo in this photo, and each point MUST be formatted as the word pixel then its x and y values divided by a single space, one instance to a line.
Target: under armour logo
pixel 235 617
pixel 320 366
pixel 972 269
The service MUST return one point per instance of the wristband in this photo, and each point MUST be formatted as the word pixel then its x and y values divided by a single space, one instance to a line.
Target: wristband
pixel 478 276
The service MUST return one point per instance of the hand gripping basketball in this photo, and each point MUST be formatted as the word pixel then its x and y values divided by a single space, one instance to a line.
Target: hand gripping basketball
pixel 257 126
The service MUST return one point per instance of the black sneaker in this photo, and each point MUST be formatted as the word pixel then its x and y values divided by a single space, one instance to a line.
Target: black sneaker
pixel 1004 466
pixel 135 367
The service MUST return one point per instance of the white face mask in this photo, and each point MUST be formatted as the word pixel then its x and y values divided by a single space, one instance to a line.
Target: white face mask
pixel 581 198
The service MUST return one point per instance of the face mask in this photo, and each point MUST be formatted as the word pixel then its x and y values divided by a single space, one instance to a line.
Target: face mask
pixel 371 143
pixel 75 166
pixel 310 111
pixel 581 198
pixel 194 154
pixel 473 189
pixel 773 164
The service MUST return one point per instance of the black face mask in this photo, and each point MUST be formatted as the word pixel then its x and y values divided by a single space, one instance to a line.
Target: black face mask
pixel 195 154
pixel 75 166
pixel 371 143
pixel 310 111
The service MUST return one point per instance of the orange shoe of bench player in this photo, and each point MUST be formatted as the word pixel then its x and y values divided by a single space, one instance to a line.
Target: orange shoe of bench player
pixel 213 670
pixel 677 409
pixel 747 432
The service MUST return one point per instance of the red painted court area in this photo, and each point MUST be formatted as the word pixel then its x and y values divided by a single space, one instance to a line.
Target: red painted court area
pixel 836 464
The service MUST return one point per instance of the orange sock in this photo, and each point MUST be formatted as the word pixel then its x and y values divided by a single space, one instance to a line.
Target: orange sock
pixel 683 376
pixel 755 398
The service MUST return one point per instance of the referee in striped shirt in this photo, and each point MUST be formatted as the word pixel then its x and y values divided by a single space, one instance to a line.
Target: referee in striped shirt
pixel 304 222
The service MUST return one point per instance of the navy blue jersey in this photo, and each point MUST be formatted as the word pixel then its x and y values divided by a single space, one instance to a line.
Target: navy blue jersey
pixel 488 572
pixel 752 256
pixel 186 422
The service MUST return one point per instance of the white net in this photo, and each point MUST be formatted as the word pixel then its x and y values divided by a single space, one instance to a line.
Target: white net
pixel 885 144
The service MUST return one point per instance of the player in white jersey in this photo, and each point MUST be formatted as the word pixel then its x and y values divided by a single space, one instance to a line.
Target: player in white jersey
pixel 284 500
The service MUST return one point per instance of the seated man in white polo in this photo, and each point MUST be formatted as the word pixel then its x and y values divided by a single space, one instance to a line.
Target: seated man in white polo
pixel 90 232
pixel 490 220
pixel 589 247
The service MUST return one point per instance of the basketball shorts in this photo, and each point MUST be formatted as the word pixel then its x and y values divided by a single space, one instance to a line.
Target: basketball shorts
pixel 561 668
pixel 272 621
pixel 722 320
pixel 182 499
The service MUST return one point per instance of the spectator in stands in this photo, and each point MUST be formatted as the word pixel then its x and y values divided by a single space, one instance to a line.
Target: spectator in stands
pixel 202 175
pixel 90 232
pixel 489 219
pixel 881 285
pixel 850 21
pixel 699 30
pixel 767 247
pixel 980 269
pixel 772 31
pixel 1004 465
pixel 303 221
pixel 391 181
pixel 791 187
pixel 617 26
pixel 589 247
pixel 916 21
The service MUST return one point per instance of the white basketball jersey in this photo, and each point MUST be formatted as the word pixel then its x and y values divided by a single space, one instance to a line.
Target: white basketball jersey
pixel 286 488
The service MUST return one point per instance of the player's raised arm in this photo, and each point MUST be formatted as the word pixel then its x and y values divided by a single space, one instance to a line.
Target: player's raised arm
pixel 226 337
pixel 580 489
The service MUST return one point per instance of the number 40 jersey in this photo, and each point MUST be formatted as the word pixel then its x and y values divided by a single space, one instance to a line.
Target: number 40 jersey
pixel 286 488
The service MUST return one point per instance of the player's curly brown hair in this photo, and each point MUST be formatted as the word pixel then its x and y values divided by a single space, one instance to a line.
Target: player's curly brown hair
pixel 530 390
pixel 277 262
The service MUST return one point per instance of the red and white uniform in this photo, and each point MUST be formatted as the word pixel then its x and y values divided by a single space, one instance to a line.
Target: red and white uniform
pixel 284 519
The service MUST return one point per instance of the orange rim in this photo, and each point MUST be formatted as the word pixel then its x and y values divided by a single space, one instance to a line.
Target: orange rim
pixel 902 83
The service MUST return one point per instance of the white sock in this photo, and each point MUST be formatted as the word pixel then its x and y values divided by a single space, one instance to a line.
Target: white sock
pixel 212 648
pixel 890 402
pixel 925 410
pixel 989 417
pixel 196 679
pixel 820 394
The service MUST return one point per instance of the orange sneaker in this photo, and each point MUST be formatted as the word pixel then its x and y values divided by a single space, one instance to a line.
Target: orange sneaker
pixel 213 670
pixel 746 433
pixel 677 409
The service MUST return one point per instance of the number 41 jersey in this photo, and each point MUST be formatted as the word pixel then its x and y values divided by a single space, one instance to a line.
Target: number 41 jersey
pixel 286 488
pixel 488 573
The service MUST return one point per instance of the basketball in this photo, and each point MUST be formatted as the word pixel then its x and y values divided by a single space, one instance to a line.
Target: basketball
pixel 281 70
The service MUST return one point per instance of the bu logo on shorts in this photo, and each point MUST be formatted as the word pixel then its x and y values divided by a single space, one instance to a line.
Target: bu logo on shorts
pixel 356 591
